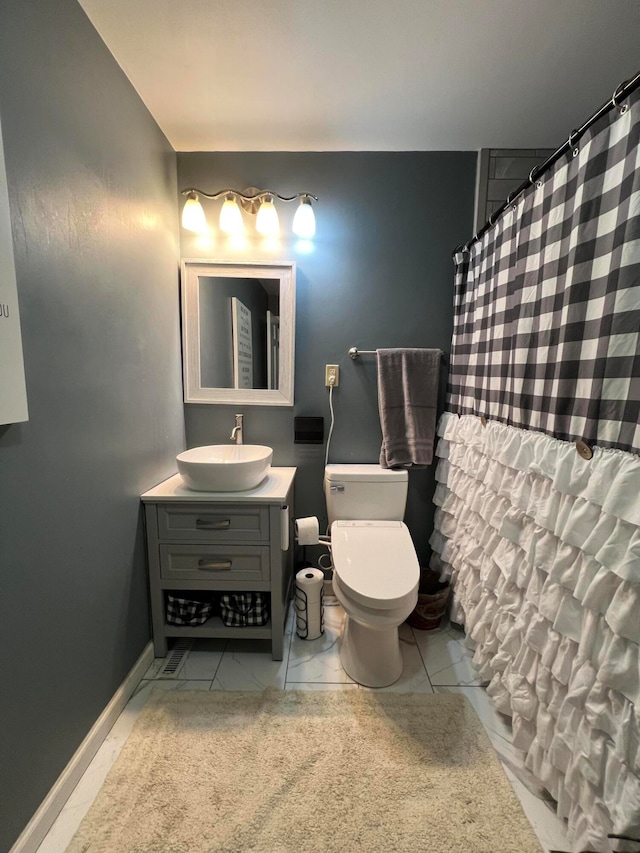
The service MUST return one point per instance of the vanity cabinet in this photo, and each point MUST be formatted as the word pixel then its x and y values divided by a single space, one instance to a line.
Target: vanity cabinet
pixel 220 542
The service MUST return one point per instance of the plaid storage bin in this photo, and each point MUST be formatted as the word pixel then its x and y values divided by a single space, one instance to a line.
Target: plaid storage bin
pixel 194 610
pixel 239 609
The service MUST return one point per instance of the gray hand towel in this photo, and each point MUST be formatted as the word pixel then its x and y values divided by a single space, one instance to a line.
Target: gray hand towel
pixel 408 382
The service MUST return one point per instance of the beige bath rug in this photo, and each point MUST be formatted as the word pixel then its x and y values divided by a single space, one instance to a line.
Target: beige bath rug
pixel 306 772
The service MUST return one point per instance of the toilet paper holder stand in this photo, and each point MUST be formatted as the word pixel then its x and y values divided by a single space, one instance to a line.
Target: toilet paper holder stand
pixel 319 539
pixel 303 609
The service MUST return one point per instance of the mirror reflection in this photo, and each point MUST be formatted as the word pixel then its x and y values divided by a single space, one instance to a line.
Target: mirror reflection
pixel 239 332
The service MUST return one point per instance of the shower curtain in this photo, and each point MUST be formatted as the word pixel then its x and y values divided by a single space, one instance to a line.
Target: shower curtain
pixel 538 519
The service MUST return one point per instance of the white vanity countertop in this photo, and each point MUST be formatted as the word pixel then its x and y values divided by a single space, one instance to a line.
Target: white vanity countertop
pixel 273 489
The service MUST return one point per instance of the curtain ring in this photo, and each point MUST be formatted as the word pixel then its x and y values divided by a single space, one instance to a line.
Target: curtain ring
pixel 463 247
pixel 576 149
pixel 514 195
pixel 532 177
pixel 622 108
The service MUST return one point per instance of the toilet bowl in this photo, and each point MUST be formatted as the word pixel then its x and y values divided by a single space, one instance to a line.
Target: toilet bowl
pixel 375 579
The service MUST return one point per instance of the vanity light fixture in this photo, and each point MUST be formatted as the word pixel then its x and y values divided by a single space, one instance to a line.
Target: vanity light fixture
pixel 230 216
pixel 259 203
pixel 193 218
pixel 304 222
pixel 267 219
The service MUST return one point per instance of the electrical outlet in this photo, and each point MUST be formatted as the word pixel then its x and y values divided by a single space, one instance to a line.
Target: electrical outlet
pixel 331 375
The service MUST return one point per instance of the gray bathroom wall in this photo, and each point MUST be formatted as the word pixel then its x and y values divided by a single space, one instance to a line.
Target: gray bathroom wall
pixel 379 274
pixel 92 185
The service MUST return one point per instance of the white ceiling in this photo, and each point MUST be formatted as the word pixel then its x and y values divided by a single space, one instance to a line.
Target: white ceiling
pixel 390 75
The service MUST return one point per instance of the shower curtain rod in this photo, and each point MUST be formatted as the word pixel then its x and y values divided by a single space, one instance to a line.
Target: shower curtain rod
pixel 621 91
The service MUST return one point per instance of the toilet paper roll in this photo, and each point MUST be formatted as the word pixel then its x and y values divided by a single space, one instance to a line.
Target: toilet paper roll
pixel 308 530
pixel 309 609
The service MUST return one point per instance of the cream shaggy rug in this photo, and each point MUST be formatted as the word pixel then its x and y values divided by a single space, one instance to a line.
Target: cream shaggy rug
pixel 306 772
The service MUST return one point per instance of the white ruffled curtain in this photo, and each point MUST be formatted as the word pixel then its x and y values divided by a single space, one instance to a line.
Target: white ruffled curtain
pixel 543 551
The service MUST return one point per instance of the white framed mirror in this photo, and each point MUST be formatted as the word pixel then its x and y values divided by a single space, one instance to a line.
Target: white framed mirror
pixel 238 332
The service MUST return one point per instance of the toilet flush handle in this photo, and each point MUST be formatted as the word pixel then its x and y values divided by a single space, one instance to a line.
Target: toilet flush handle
pixel 339 488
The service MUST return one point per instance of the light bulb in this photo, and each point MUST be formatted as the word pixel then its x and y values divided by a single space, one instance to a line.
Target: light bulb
pixel 267 220
pixel 230 217
pixel 193 218
pixel 304 222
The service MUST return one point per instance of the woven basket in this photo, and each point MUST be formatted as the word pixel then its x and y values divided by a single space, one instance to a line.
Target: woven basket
pixel 433 596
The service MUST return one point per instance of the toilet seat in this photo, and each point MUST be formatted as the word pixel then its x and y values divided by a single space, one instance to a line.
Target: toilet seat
pixel 373 618
pixel 375 562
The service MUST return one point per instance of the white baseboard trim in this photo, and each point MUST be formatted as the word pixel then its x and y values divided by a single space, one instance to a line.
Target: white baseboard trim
pixel 42 821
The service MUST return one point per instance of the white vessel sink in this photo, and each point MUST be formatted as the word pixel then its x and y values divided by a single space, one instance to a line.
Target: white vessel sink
pixel 224 467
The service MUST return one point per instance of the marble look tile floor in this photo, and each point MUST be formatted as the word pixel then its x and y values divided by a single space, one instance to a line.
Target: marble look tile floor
pixel 434 661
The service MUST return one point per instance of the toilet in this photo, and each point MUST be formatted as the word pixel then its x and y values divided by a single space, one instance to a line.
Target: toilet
pixel 375 567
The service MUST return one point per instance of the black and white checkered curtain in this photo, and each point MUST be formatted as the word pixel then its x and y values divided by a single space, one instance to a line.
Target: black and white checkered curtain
pixel 547 301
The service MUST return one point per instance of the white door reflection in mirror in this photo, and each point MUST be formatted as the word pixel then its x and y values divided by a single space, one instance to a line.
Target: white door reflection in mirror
pixel 273 349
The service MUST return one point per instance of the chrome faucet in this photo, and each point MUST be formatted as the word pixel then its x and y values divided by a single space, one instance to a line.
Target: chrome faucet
pixel 236 432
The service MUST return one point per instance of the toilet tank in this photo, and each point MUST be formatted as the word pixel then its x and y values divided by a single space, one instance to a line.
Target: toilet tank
pixel 366 492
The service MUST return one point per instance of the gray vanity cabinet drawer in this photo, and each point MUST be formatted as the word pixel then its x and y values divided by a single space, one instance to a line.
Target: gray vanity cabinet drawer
pixel 209 522
pixel 214 562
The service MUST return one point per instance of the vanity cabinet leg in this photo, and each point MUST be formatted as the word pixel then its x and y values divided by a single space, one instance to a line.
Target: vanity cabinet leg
pixel 156 594
pixel 277 628
pixel 160 647
pixel 277 645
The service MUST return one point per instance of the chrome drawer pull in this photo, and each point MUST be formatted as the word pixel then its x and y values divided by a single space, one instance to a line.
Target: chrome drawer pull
pixel 214 525
pixel 215 566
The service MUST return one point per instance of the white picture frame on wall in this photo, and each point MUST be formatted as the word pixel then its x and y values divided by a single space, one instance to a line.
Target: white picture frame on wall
pixel 13 398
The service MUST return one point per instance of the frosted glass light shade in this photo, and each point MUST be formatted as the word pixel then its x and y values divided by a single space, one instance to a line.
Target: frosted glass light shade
pixel 231 217
pixel 304 222
pixel 267 219
pixel 193 218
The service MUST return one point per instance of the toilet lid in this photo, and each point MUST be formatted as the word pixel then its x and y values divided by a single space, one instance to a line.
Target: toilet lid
pixel 375 561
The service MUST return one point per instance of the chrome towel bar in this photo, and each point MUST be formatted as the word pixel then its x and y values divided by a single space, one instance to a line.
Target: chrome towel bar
pixel 354 352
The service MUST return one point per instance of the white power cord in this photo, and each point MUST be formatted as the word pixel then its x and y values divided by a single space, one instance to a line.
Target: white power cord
pixel 326 457
pixel 329 600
